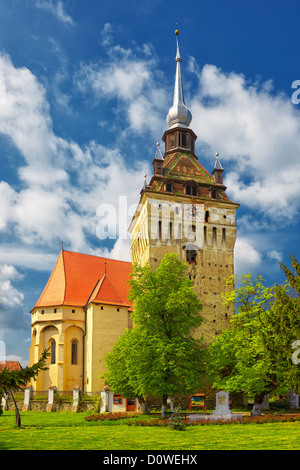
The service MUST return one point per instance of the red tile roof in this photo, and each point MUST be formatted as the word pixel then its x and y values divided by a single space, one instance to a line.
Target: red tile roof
pixel 78 279
pixel 10 365
pixel 106 293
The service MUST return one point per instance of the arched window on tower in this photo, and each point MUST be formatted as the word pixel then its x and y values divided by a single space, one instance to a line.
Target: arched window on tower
pixel 191 255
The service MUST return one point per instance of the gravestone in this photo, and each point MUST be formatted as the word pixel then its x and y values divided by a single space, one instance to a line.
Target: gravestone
pixel 222 410
pixel 292 400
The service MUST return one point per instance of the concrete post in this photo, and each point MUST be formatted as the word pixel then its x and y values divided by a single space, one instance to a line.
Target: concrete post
pixel 5 402
pixel 76 398
pixel 27 398
pixel 51 402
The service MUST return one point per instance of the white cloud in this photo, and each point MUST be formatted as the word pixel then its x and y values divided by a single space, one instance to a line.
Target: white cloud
pixel 57 9
pixel 11 300
pixel 27 257
pixel 246 257
pixel 133 79
pixel 49 207
pixel 257 134
pixel 276 255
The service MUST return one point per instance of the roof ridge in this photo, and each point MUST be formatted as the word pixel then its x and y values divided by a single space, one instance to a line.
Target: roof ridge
pixel 64 266
pixel 97 292
pixel 97 256
pixel 117 291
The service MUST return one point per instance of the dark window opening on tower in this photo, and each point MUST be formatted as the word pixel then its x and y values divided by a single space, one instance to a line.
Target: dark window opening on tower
pixel 182 140
pixel 213 194
pixel 191 256
pixel 169 187
pixel 191 190
pixel 170 231
pixel 206 216
pixel 159 229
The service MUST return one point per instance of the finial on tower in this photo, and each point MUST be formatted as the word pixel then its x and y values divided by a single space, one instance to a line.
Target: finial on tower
pixel 158 155
pixel 145 182
pixel 179 115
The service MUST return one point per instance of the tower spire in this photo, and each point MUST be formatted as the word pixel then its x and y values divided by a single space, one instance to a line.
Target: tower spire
pixel 179 115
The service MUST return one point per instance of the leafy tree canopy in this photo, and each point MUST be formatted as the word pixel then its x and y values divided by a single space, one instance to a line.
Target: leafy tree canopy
pixel 255 354
pixel 160 355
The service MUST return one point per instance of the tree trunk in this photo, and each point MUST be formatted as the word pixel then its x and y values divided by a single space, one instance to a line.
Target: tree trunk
pixel 164 406
pixel 17 413
pixel 144 406
pixel 258 401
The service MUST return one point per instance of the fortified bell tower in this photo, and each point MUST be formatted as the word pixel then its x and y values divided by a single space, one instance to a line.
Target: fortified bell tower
pixel 185 210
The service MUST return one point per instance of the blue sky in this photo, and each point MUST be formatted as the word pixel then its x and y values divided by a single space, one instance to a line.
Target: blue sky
pixel 85 88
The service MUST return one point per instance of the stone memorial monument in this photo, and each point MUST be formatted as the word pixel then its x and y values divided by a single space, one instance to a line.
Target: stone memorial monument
pixel 222 410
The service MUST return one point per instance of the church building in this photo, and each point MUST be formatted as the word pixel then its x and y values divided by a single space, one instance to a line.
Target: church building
pixel 184 209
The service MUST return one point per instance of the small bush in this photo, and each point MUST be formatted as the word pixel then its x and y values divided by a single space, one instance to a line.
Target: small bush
pixel 176 421
pixel 181 423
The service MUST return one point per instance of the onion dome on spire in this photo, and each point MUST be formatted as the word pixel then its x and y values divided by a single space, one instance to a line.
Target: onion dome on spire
pixel 179 115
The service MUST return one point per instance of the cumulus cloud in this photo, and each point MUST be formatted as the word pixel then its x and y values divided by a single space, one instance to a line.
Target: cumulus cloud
pixel 257 132
pixel 247 258
pixel 131 77
pixel 50 206
pixel 11 300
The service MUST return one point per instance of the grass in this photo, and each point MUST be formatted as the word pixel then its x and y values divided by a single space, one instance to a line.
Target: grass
pixel 70 431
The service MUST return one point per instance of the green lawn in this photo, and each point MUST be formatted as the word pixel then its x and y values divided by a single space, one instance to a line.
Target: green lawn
pixel 70 431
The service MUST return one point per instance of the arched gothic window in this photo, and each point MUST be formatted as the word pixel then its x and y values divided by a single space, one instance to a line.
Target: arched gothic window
pixel 74 348
pixel 53 351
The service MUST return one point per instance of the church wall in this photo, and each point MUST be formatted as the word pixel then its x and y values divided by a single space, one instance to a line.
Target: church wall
pixel 105 324
pixel 73 360
pixel 55 324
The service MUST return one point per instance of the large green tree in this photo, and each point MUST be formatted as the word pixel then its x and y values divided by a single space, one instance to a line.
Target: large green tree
pixel 160 355
pixel 255 354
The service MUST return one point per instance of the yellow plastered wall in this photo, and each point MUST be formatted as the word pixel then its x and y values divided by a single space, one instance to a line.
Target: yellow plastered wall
pixel 105 324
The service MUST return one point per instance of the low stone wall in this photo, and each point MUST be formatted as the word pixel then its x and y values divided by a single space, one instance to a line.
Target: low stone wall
pixel 52 402
pixel 38 405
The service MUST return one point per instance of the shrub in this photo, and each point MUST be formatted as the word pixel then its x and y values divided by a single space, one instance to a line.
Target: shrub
pixel 182 423
pixel 176 421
